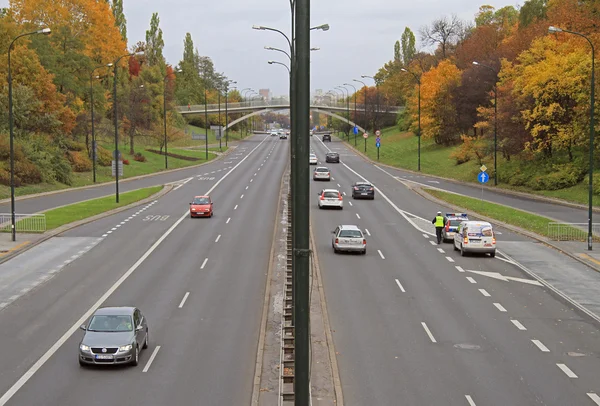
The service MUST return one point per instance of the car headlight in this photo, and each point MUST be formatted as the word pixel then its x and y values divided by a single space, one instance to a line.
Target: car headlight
pixel 126 347
pixel 84 347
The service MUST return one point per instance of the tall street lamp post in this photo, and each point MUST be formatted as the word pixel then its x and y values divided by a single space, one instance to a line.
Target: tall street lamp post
pixel 226 113
pixel 348 84
pixel 495 90
pixel 227 83
pixel 347 109
pixel 377 108
pixel 365 88
pixel 206 124
pixel 336 90
pixel 92 108
pixel 165 114
pixel 418 79
pixel 552 29
pixel 116 154
pixel 13 225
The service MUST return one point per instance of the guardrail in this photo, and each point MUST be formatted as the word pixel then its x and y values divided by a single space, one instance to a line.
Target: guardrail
pixel 572 231
pixel 283 104
pixel 24 223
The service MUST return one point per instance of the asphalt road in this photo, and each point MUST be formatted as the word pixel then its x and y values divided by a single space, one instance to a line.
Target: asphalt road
pixel 551 210
pixel 204 346
pixel 34 205
pixel 414 323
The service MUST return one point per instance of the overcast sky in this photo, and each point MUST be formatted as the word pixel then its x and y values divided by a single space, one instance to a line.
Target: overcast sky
pixel 360 40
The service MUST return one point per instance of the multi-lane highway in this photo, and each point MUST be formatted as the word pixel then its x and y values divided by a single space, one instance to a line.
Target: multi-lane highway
pixel 200 283
pixel 414 323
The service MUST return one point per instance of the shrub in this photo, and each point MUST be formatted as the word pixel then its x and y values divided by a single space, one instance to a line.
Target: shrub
pixel 73 145
pixel 79 161
pixel 27 172
pixel 103 156
pixel 461 155
pixel 63 172
pixel 595 183
pixel 125 161
pixel 562 176
pixel 5 178
pixel 139 157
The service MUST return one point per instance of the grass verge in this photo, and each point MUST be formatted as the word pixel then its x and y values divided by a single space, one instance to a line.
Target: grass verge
pixel 79 211
pixel 527 221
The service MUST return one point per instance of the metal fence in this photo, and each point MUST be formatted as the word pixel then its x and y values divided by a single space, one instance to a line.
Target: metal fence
pixel 24 223
pixel 572 231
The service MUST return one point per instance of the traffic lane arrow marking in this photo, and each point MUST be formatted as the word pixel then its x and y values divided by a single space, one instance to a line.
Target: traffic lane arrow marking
pixel 504 278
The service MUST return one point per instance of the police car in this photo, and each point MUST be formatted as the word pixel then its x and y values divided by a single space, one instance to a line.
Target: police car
pixel 476 237
pixel 453 220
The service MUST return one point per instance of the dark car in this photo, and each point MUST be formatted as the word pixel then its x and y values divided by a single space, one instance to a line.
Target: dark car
pixel 326 137
pixel 332 157
pixel 114 335
pixel 363 190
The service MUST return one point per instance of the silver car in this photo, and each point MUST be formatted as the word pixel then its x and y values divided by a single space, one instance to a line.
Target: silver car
pixel 114 335
pixel 475 236
pixel 348 238
pixel 331 198
pixel 321 173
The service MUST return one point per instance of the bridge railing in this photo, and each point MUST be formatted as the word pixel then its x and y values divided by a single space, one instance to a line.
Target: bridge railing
pixel 279 103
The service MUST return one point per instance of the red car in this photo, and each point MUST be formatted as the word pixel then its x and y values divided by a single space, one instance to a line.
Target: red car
pixel 201 206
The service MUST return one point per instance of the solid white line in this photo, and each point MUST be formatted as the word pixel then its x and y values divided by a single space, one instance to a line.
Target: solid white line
pixel 441 250
pixel 357 215
pixel 3 305
pixel 13 298
pixel 449 259
pixel 235 208
pixel 432 242
pixel 350 203
pixel 470 400
pixel 471 279
pixel 147 367
pixel 484 292
pixel 184 299
pixel 380 254
pixel 459 268
pixel 400 285
pixel 594 397
pixel 541 346
pixel 428 332
pixel 500 307
pixel 25 290
pixel 242 196
pixel 218 238
pixel 425 235
pixel 75 327
pixel 367 231
pixel 518 324
pixel 229 219
pixel 566 370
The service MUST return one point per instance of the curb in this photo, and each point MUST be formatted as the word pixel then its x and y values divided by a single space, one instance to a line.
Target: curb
pixel 337 383
pixel 267 299
pixel 507 192
pixel 54 192
pixel 66 227
pixel 510 227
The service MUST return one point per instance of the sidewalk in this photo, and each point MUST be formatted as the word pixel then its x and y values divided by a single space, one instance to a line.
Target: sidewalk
pixel 9 247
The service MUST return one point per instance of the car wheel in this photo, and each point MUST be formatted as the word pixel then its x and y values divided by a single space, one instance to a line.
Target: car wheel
pixel 364 252
pixel 493 254
pixel 462 251
pixel 146 341
pixel 211 214
pixel 136 357
pixel 454 246
pixel 82 364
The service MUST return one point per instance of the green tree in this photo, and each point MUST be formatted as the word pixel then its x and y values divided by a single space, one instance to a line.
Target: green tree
pixel 188 89
pixel 397 52
pixel 155 43
pixel 120 20
pixel 532 11
pixel 408 46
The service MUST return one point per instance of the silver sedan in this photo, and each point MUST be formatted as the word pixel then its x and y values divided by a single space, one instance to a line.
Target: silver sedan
pixel 348 238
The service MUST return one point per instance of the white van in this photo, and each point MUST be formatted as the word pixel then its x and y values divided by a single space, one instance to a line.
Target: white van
pixel 475 236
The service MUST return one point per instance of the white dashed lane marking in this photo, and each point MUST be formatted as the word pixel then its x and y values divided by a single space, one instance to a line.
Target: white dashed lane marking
pixel 425 235
pixel 350 203
pixel 484 292
pixel 367 231
pixel 204 263
pixel 380 254
pixel 499 307
pixel 566 370
pixel 218 238
pixel 595 398
pixel 357 215
pixel 441 250
pixel 228 220
pixel 449 259
pixel 541 346
pixel 470 400
pixel 471 279
pixel 400 286
pixel 431 337
pixel 518 324
pixel 432 242
pixel 459 268
pixel 235 208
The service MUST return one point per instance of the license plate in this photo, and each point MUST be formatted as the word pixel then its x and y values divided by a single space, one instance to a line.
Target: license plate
pixel 488 245
pixel 104 357
pixel 364 194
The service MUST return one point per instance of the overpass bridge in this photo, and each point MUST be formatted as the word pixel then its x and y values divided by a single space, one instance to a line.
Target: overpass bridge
pixel 255 107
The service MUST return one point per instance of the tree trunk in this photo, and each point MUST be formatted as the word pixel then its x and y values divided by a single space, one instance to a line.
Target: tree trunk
pixel 131 135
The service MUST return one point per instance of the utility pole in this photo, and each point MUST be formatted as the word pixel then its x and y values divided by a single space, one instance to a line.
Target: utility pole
pixel 301 205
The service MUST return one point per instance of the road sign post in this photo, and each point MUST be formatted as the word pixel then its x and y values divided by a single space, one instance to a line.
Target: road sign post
pixel 114 168
pixel 378 145
pixel 365 136
pixel 483 177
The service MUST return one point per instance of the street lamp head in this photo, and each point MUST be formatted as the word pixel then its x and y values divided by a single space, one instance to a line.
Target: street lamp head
pixel 109 65
pixel 139 53
pixel 178 70
pixel 97 76
pixel 271 62
pixel 403 70
pixel 315 49
pixel 258 27
pixel 553 29
pixel 475 63
pixel 45 31
pixel 269 48
pixel 324 27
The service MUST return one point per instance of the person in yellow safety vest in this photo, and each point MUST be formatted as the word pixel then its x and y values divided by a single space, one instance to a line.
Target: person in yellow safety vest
pixel 439 222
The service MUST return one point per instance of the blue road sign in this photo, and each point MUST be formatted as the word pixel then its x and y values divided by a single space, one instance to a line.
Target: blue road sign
pixel 483 177
pixel 377 139
pixel 377 144
pixel 355 130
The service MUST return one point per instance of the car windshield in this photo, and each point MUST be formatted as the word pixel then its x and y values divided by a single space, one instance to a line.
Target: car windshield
pixel 322 170
pixel 110 323
pixel 313 156
pixel 363 185
pixel 351 233
pixel 332 194
pixel 455 223
pixel 332 153
pixel 201 200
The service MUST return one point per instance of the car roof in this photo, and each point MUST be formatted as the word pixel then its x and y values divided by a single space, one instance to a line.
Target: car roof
pixel 331 190
pixel 332 153
pixel 349 227
pixel 321 167
pixel 312 153
pixel 198 197
pixel 112 311
pixel 482 223
pixel 360 182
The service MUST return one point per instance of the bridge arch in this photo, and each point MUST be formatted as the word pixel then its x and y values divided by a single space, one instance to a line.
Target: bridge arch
pixel 316 110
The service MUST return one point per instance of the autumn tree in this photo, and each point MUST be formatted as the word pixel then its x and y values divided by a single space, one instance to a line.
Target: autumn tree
pixel 444 33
